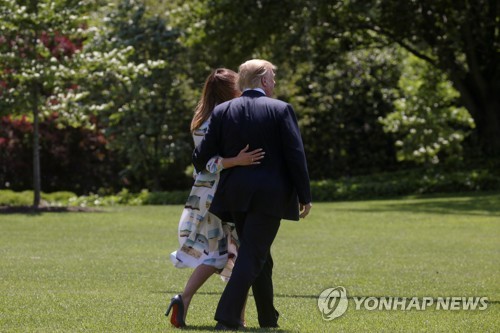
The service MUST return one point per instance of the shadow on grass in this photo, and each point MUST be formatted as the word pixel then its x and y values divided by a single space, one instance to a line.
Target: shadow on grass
pixel 351 297
pixel 29 210
pixel 205 328
pixel 476 205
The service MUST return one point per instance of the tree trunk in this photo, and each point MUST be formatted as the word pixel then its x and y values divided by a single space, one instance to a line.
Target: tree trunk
pixel 488 129
pixel 36 150
pixel 484 107
pixel 36 139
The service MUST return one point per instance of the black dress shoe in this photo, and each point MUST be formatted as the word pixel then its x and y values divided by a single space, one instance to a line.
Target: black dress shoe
pixel 222 327
pixel 271 326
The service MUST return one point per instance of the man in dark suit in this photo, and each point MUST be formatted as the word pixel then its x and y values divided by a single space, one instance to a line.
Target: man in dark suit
pixel 255 197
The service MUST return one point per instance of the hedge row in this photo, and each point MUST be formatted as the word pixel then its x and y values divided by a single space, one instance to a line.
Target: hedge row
pixel 404 183
pixel 355 188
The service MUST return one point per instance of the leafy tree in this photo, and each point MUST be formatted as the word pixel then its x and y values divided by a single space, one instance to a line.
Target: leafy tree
pixel 459 38
pixel 427 122
pixel 30 68
pixel 47 68
pixel 149 126
pixel 339 109
pixel 338 88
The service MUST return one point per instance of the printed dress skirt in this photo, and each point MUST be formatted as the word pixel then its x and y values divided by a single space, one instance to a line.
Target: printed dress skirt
pixel 203 237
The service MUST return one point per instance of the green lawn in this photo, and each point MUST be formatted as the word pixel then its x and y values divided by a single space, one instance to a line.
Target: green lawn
pixel 108 271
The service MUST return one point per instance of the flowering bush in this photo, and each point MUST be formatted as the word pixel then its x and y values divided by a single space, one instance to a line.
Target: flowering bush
pixel 74 159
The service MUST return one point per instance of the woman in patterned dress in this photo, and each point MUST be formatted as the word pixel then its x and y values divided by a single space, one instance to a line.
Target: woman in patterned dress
pixel 207 244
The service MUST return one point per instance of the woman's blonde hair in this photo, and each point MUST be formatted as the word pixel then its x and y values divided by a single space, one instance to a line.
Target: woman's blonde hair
pixel 251 72
pixel 220 86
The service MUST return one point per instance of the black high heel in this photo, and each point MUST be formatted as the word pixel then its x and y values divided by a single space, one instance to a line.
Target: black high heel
pixel 177 307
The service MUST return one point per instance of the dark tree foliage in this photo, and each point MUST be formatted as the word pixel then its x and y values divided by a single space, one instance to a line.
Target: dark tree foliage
pixel 460 38
pixel 340 113
pixel 339 83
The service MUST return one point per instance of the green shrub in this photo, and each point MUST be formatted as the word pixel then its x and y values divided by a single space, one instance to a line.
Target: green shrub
pixel 25 198
pixel 383 185
pixel 124 197
pixel 11 198
pixel 167 198
pixel 57 198
pixel 404 183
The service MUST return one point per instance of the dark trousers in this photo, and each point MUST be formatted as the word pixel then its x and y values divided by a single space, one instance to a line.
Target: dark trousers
pixel 253 267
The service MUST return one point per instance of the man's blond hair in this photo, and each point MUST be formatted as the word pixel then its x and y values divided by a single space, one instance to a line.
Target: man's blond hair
pixel 251 72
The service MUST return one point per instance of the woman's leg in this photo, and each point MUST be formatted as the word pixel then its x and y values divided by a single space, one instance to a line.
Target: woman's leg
pixel 196 280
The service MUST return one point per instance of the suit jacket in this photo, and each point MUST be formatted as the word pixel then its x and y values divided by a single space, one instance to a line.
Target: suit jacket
pixel 276 185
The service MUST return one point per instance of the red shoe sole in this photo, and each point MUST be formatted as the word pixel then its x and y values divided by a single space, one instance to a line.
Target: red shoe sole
pixel 173 318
